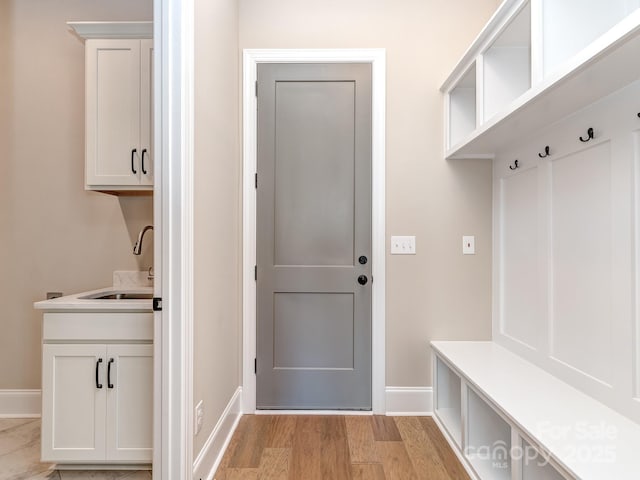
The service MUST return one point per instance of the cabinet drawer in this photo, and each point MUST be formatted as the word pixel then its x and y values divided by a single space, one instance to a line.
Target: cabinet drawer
pixel 98 326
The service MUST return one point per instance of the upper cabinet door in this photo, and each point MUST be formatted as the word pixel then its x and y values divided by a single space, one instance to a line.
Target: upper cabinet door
pixel 146 112
pixel 113 153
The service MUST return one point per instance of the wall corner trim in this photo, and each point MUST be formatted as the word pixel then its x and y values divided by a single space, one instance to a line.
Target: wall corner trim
pixel 409 401
pixel 207 461
pixel 20 403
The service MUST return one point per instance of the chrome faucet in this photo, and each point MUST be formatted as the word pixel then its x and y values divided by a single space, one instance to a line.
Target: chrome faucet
pixel 137 248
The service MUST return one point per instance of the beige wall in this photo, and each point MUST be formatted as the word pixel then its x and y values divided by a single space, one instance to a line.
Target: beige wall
pixel 437 294
pixel 218 215
pixel 54 236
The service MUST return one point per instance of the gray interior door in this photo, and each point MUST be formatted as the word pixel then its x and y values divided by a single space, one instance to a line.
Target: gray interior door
pixel 314 236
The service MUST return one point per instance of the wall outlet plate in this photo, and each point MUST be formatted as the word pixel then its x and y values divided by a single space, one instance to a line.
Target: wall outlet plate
pixel 403 245
pixel 468 245
pixel 198 418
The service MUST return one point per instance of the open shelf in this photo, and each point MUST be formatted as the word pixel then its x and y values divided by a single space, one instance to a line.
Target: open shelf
pixel 488 443
pixel 462 107
pixel 507 64
pixel 588 20
pixel 537 63
pixel 448 402
pixel 536 466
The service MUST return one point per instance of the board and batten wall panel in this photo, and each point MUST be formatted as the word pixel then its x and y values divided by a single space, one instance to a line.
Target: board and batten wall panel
pixel 567 243
pixel 581 246
pixel 520 315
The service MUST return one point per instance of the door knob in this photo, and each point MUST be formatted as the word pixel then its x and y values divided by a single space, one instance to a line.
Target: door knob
pixel 362 279
pixel 362 260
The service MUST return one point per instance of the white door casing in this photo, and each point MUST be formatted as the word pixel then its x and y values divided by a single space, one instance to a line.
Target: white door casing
pixel 376 57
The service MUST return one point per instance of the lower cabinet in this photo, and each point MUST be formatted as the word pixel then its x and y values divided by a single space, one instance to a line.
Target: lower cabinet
pixel 97 403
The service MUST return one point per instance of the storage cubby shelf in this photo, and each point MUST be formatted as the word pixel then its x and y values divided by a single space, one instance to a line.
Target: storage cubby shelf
pixel 583 436
pixel 605 65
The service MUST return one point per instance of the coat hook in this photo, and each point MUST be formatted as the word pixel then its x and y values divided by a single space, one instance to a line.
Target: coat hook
pixel 514 166
pixel 589 135
pixel 638 114
pixel 546 152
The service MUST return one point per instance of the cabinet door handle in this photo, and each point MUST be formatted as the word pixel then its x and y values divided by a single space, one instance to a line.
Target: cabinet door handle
pixel 109 384
pixel 133 166
pixel 98 384
pixel 143 169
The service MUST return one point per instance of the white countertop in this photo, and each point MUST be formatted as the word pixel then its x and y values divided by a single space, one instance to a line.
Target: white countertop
pixel 75 302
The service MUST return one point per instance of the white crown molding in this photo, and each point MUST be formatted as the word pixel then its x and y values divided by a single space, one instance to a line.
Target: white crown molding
pixel 89 30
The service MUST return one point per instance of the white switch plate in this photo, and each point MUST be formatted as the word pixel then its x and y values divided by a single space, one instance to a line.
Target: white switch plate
pixel 403 245
pixel 468 245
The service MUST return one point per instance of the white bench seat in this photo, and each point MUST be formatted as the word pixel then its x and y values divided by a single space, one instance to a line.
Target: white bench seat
pixel 583 437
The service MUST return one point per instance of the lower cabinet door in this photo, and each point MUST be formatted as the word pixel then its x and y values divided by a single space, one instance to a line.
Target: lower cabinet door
pixel 73 403
pixel 129 403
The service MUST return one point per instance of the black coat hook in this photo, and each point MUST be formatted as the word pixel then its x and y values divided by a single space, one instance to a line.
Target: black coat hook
pixel 514 166
pixel 546 152
pixel 589 135
pixel 639 115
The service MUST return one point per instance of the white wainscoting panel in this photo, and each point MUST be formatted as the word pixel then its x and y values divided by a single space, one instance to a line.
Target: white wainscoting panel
pixel 207 461
pixel 566 260
pixel 519 311
pixel 20 403
pixel 581 210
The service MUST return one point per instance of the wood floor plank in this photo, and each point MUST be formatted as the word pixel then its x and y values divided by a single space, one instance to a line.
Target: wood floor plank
pixel 367 471
pixel 274 464
pixel 424 456
pixel 447 457
pixel 306 450
pixel 395 461
pixel 335 462
pixel 281 431
pixel 362 447
pixel 239 474
pixel 247 453
pixel 384 429
pixel 320 449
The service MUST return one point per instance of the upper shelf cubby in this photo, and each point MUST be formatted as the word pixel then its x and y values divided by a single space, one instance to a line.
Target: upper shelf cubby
pixel 535 62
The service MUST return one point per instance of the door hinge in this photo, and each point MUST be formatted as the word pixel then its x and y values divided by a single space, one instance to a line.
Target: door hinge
pixel 255 273
pixel 256 89
pixel 255 366
pixel 157 304
pixel 256 180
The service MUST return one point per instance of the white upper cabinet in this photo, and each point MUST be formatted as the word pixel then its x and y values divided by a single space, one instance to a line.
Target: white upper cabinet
pixel 534 63
pixel 119 107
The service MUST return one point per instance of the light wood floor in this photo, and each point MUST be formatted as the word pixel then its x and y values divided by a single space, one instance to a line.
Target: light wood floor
pixel 338 448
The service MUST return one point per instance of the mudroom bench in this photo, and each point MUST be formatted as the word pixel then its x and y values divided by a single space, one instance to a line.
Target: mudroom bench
pixel 508 419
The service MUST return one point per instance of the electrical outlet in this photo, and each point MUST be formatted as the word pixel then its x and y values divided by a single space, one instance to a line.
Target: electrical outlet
pixel 199 417
pixel 403 245
pixel 468 245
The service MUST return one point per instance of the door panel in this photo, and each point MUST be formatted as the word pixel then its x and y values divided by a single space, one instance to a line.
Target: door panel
pixel 129 400
pixel 314 162
pixel 113 112
pixel 314 222
pixel 313 330
pixel 73 419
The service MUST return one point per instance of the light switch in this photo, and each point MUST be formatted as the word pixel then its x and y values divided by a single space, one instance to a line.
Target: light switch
pixel 403 245
pixel 468 245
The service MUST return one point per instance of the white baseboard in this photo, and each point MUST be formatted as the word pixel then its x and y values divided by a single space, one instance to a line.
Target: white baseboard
pixel 414 401
pixel 20 404
pixel 211 454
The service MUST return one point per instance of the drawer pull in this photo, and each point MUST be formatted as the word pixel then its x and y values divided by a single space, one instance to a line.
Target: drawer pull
pixel 98 384
pixel 109 384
